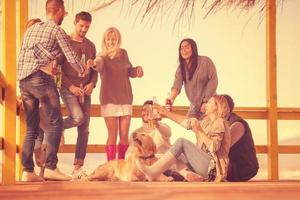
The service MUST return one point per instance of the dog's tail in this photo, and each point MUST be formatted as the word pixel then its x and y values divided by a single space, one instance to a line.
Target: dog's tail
pixel 99 174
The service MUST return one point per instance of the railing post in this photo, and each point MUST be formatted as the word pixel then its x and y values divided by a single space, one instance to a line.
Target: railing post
pixel 9 63
pixel 21 24
pixel 271 89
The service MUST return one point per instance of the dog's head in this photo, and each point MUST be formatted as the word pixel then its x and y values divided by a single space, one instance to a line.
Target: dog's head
pixel 144 144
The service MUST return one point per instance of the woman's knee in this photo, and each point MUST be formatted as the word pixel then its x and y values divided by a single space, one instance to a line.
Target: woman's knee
pixel 177 147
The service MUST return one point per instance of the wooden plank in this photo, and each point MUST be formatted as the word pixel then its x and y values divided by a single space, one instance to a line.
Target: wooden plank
pixel 22 19
pixel 2 87
pixel 3 83
pixel 90 149
pixel 261 149
pixel 9 63
pixel 1 143
pixel 289 149
pixel 259 113
pixel 100 148
pixel 271 89
pixel 20 141
pixel 78 190
pixel 288 113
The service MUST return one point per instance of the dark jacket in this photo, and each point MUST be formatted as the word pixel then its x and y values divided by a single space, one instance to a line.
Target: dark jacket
pixel 242 155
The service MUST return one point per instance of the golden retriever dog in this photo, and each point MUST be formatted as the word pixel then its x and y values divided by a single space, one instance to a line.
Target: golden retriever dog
pixel 126 170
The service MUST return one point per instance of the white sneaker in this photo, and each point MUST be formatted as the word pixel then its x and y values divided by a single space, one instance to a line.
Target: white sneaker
pixel 55 175
pixel 79 174
pixel 31 177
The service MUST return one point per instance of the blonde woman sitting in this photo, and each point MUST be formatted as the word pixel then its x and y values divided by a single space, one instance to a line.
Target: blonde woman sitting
pixel 209 156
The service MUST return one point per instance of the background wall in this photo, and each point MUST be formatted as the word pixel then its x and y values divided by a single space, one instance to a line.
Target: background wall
pixel 233 39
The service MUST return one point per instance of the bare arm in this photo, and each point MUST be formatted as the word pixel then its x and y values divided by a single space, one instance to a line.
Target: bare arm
pixel 174 94
pixel 179 119
pixel 237 130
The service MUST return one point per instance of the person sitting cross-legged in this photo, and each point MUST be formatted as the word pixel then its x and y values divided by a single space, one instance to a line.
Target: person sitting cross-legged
pixel 209 156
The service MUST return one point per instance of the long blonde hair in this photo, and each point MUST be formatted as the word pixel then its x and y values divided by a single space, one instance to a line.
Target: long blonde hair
pixel 223 109
pixel 111 52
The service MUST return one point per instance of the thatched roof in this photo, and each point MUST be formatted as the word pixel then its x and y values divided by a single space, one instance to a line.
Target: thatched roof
pixel 182 9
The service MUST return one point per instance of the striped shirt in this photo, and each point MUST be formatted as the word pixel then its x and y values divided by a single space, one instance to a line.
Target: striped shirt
pixel 42 43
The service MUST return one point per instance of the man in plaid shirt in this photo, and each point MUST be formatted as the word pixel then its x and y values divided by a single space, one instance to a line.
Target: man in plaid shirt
pixel 43 43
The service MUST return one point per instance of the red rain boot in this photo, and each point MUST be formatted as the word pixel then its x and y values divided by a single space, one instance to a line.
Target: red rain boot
pixel 110 152
pixel 122 148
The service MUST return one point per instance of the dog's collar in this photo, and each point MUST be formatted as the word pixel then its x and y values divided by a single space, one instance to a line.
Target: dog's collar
pixel 147 157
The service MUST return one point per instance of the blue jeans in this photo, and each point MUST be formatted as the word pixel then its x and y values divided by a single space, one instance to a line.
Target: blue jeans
pixel 196 158
pixel 79 117
pixel 40 97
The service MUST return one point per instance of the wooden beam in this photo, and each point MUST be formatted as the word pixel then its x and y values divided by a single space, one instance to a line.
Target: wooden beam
pixel 245 112
pixel 20 141
pixel 261 149
pixel 288 113
pixel 1 143
pixel 22 19
pixel 100 148
pixel 289 149
pixel 271 89
pixel 2 87
pixel 9 63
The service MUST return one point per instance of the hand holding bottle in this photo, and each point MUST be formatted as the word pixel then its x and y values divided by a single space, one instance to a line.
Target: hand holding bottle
pixel 169 103
pixel 85 68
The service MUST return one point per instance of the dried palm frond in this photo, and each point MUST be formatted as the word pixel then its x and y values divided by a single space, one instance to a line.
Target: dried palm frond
pixel 154 4
pixel 183 10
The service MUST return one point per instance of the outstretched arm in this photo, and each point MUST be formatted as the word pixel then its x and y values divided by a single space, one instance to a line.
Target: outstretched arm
pixel 179 119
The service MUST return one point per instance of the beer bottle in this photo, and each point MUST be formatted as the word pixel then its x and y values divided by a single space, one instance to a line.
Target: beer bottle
pixel 169 103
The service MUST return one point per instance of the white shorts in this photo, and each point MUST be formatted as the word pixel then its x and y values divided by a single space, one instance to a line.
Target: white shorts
pixel 113 110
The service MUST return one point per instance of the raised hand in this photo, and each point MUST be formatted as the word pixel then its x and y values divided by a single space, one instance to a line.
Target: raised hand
pixel 90 63
pixel 139 72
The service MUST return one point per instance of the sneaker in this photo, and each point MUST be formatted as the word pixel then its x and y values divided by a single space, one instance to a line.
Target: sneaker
pixel 31 177
pixel 79 174
pixel 55 175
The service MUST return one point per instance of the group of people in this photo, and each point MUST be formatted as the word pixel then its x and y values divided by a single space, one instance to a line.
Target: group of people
pixel 224 148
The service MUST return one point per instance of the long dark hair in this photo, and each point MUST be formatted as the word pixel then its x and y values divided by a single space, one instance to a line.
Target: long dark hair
pixel 194 59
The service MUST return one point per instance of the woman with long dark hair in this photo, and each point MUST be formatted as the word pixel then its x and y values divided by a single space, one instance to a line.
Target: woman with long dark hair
pixel 197 74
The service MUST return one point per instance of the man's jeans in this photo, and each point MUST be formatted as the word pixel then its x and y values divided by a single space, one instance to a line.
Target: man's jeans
pixel 40 97
pixel 79 117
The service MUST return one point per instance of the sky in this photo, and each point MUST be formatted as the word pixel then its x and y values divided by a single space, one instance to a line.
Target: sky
pixel 233 39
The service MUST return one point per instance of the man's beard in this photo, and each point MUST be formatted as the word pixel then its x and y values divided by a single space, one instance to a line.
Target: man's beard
pixel 82 34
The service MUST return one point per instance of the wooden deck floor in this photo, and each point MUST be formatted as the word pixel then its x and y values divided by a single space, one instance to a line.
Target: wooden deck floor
pixel 152 191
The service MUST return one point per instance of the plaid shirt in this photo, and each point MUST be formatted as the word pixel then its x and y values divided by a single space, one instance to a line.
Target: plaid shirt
pixel 42 43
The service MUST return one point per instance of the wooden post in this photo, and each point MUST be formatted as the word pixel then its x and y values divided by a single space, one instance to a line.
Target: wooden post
pixel 271 89
pixel 22 20
pixel 9 64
